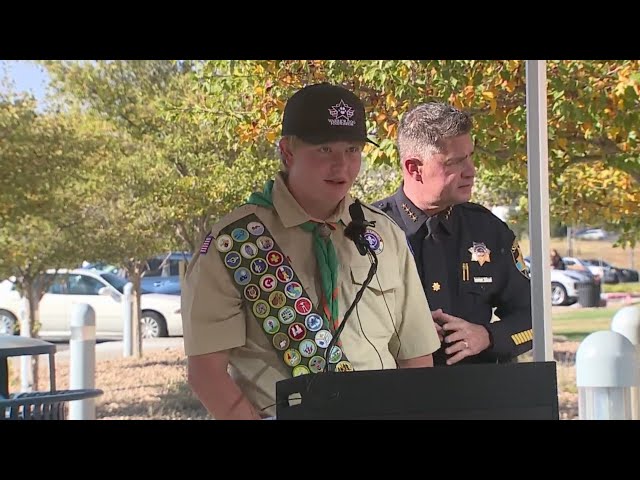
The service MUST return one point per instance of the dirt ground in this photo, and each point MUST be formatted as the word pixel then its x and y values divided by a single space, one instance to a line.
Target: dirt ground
pixel 155 387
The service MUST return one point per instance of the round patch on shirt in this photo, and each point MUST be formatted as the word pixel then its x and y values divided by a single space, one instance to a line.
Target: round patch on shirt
pixel 249 250
pixel 307 348
pixel 240 235
pixel 242 276
pixel 224 243
pixel 232 260
pixel 297 331
pixel 261 309
pixel 277 299
pixel 292 357
pixel 275 258
pixel 271 325
pixel 313 322
pixel 264 243
pixel 259 266
pixel 256 228
pixel 316 364
pixel 300 370
pixel 268 283
pixel 281 341
pixel 375 241
pixel 323 338
pixel 293 290
pixel 336 354
pixel 251 292
pixel 284 274
pixel 303 306
pixel 286 315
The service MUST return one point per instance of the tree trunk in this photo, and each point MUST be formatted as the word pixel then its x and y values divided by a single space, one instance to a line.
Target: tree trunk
pixel 137 312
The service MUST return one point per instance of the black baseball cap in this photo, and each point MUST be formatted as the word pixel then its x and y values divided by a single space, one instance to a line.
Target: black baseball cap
pixel 322 113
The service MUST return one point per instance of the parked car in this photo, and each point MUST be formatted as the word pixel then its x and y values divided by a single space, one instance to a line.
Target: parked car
pixel 163 275
pixel 103 291
pixel 565 284
pixel 617 274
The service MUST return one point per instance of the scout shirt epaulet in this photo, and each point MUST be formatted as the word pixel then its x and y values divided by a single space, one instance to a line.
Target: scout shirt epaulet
pixel 376 210
pixel 231 217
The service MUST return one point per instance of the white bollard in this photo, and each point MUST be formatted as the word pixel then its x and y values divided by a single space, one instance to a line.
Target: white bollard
pixel 626 321
pixel 127 317
pixel 606 370
pixel 26 377
pixel 82 349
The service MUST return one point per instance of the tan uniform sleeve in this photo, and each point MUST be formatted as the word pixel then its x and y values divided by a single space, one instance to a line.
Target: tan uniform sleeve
pixel 213 316
pixel 416 329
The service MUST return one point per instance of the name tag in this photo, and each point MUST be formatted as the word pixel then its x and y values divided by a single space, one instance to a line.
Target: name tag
pixel 483 279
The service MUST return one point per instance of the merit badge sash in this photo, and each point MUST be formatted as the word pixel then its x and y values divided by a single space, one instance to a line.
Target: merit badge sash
pixel 264 277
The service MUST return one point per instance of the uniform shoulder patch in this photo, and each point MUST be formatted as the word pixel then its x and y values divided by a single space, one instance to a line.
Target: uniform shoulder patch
pixel 228 219
pixel 518 259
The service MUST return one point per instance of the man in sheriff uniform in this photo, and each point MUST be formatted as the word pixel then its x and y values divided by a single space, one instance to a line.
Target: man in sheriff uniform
pixel 274 278
pixel 469 261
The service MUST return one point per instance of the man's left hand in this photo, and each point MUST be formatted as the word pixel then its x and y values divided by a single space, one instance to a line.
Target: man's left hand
pixel 467 338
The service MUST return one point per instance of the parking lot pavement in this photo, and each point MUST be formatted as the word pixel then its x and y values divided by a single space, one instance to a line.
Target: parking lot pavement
pixel 109 348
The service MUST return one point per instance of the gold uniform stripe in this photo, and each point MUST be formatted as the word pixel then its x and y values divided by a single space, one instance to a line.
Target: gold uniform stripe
pixel 521 337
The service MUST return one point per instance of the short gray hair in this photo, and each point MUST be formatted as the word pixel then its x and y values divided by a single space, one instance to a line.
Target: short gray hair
pixel 423 128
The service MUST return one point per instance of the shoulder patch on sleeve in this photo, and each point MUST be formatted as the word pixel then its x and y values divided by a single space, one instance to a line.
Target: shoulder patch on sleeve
pixel 518 259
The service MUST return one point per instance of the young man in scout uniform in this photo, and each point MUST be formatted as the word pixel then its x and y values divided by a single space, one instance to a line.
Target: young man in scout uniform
pixel 469 260
pixel 274 278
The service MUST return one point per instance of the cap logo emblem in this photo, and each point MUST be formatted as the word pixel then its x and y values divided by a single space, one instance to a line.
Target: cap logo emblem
pixel 341 114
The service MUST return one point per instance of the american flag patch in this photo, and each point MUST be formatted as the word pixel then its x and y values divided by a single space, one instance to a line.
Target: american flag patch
pixel 206 244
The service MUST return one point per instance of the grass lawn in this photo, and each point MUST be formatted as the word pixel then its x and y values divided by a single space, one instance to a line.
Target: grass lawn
pixel 621 287
pixel 580 322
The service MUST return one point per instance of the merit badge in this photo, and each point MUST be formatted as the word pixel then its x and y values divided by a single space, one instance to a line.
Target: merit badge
pixel 284 273
pixel 264 243
pixel 292 357
pixel 240 235
pixel 271 325
pixel 297 331
pixel 261 309
pixel 281 341
pixel 251 292
pixel 286 315
pixel 274 259
pixel 303 306
pixel 323 337
pixel 223 243
pixel 375 241
pixel 518 259
pixel 344 366
pixel 307 348
pixel 256 228
pixel 268 283
pixel 232 260
pixel 480 253
pixel 248 250
pixel 242 276
pixel 335 355
pixel 300 370
pixel 277 299
pixel 313 322
pixel 259 266
pixel 316 364
pixel 293 290
pixel 206 244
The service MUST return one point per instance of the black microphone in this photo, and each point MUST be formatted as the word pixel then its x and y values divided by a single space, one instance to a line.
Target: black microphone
pixel 357 228
pixel 355 232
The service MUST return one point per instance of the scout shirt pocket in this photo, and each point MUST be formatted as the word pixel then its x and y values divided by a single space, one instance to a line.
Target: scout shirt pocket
pixel 377 306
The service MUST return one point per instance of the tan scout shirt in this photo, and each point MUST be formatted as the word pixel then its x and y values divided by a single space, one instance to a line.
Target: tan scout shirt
pixel 215 314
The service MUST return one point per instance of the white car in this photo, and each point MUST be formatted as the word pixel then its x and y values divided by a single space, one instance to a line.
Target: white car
pixel 103 291
pixel 564 284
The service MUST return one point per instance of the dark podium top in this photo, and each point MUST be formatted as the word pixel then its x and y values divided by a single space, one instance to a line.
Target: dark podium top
pixel 511 391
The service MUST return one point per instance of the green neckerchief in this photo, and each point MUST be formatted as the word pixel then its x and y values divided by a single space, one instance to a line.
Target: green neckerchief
pixel 324 251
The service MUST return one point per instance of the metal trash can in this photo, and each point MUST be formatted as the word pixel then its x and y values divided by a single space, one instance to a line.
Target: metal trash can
pixel 589 294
